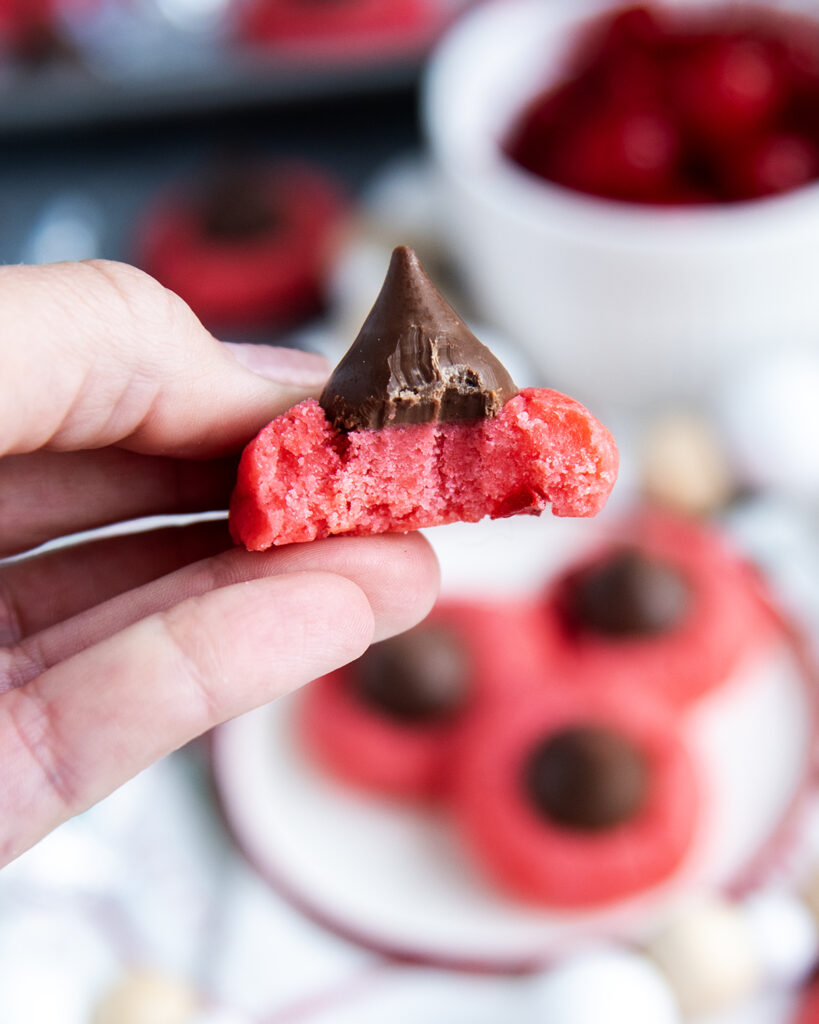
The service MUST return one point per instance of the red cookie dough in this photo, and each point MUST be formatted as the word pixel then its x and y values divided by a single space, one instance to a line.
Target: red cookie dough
pixel 557 865
pixel 268 277
pixel 366 749
pixel 725 620
pixel 374 751
pixel 301 479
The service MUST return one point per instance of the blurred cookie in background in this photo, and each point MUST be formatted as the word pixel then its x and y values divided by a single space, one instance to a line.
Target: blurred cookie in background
pixel 247 245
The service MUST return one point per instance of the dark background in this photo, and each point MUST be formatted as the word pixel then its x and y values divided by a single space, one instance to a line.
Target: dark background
pixel 120 163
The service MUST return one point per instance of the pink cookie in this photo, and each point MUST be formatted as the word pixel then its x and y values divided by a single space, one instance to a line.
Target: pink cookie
pixel 576 798
pixel 386 722
pixel 419 425
pixel 666 605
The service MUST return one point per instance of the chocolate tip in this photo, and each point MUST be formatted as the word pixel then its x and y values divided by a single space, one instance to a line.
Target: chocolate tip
pixel 404 256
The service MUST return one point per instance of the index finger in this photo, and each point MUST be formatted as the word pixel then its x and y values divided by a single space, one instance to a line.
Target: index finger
pixel 99 353
pixel 83 727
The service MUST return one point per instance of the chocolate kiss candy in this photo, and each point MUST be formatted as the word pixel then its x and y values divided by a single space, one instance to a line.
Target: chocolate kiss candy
pixel 586 778
pixel 628 594
pixel 414 361
pixel 419 676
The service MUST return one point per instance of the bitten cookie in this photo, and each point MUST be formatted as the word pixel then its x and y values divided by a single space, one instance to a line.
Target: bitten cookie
pixel 419 425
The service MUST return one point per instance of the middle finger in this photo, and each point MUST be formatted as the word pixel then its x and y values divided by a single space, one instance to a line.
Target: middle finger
pixel 398 573
pixel 51 494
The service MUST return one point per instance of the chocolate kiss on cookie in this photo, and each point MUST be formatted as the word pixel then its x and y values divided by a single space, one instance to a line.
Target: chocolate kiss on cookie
pixel 586 778
pixel 419 676
pixel 627 594
pixel 414 361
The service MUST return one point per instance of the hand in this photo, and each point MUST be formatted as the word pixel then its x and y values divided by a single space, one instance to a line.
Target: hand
pixel 115 403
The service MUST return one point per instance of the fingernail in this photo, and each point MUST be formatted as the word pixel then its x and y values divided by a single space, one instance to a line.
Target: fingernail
pixel 282 365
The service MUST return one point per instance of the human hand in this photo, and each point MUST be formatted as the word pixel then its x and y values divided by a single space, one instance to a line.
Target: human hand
pixel 116 404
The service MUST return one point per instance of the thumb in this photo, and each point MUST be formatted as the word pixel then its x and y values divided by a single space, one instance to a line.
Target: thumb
pixel 99 353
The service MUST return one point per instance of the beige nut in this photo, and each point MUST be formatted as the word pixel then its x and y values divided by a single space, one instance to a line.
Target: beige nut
pixel 809 891
pixel 707 956
pixel 147 997
pixel 683 465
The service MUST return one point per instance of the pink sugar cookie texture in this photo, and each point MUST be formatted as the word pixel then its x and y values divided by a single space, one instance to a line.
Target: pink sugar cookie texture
pixel 419 425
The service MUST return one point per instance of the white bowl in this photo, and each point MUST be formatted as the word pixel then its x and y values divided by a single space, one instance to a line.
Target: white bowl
pixel 618 302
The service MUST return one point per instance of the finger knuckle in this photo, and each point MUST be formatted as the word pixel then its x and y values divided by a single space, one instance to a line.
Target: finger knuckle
pixel 19 664
pixel 189 635
pixel 127 290
pixel 28 723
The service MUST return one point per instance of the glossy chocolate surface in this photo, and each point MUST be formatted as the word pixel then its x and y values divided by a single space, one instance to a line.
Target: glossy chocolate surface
pixel 414 361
